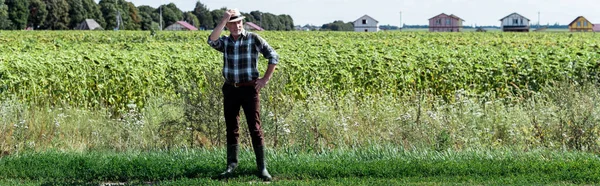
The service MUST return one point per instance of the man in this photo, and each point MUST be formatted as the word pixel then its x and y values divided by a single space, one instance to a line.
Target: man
pixel 242 86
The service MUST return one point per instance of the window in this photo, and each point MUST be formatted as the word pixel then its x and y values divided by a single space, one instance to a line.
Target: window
pixel 521 21
pixel 515 21
pixel 364 21
pixel 585 23
pixel 366 30
pixel 438 22
pixel 579 23
pixel 448 21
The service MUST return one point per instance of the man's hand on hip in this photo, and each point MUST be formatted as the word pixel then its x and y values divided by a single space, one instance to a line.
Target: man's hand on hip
pixel 261 82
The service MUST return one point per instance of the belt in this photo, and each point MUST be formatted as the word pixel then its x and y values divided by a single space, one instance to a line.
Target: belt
pixel 242 84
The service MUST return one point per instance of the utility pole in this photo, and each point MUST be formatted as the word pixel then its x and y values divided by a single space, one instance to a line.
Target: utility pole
pixel 538 20
pixel 119 20
pixel 400 26
pixel 161 21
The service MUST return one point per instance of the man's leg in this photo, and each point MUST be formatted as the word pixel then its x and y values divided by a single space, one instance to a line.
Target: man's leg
pixel 251 105
pixel 231 106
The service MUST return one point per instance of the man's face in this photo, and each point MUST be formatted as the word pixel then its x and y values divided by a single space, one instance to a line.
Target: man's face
pixel 235 27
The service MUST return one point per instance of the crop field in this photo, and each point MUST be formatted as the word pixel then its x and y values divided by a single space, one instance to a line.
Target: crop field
pixel 343 108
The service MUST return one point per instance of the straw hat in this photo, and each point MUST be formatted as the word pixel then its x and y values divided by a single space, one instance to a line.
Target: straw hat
pixel 236 15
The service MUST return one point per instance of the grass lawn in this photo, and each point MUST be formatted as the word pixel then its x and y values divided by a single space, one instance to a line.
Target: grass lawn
pixel 364 166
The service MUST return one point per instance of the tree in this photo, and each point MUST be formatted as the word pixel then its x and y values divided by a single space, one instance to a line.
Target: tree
pixel 149 17
pixel 171 14
pixel 93 11
pixel 130 18
pixel 109 12
pixel 190 18
pixel 338 26
pixel 217 15
pixel 269 21
pixel 77 13
pixel 18 13
pixel 249 17
pixel 135 19
pixel 204 16
pixel 5 23
pixel 58 15
pixel 37 13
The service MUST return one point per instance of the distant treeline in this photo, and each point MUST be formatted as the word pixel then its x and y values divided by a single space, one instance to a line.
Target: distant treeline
pixel 119 14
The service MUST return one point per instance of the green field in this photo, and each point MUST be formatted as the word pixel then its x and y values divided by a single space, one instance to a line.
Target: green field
pixel 392 107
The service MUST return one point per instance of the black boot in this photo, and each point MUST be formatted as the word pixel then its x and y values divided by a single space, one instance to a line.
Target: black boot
pixel 263 174
pixel 232 161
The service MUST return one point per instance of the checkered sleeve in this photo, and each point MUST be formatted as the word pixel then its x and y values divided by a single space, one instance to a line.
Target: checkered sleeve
pixel 266 50
pixel 217 44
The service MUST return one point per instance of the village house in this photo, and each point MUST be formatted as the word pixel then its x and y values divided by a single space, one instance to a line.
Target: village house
pixel 181 25
pixel 515 23
pixel 581 24
pixel 445 23
pixel 252 27
pixel 366 24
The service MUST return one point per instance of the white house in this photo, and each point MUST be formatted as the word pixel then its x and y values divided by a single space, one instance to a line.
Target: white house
pixel 515 23
pixel 366 24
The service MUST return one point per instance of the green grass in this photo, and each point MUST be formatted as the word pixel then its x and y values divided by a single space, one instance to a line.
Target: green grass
pixel 376 164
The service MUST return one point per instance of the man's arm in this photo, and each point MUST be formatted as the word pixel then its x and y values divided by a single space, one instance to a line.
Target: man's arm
pixel 216 33
pixel 273 58
pixel 213 39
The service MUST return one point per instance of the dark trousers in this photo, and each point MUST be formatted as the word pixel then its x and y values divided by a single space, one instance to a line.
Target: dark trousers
pixel 248 98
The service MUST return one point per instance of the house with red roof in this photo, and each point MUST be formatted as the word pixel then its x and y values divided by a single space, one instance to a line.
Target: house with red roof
pixel 181 25
pixel 445 23
pixel 253 27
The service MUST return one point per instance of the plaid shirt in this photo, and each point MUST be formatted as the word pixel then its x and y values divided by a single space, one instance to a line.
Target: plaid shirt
pixel 240 57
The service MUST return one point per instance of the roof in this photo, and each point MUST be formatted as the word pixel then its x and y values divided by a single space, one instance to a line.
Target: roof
pixel 578 19
pixel 451 15
pixel 513 14
pixel 256 27
pixel 438 15
pixel 88 24
pixel 187 25
pixel 597 27
pixel 454 16
pixel 368 17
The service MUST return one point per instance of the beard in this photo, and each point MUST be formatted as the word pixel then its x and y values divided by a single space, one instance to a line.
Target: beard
pixel 237 33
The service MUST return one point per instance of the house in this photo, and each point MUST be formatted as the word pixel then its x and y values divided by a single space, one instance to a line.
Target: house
pixel 445 23
pixel 581 24
pixel 252 26
pixel 88 24
pixel 301 28
pixel 181 25
pixel 597 27
pixel 366 24
pixel 515 23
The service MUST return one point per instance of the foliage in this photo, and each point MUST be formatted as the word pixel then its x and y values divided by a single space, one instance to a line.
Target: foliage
pixel 77 13
pixel 58 15
pixel 190 18
pixel 171 14
pixel 38 13
pixel 129 15
pixel 18 13
pixel 5 22
pixel 204 16
pixel 338 26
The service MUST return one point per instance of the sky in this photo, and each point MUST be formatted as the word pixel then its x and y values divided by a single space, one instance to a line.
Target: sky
pixel 414 12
